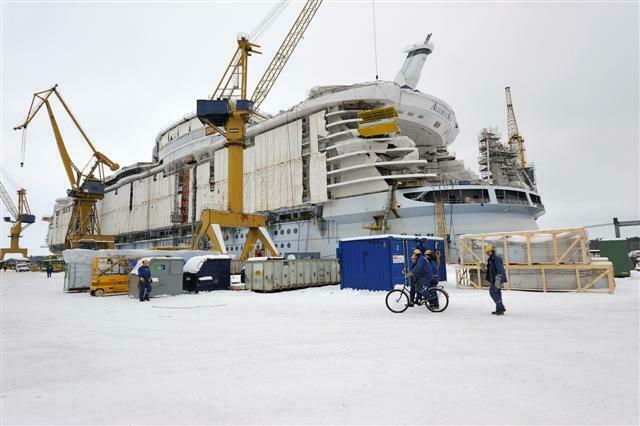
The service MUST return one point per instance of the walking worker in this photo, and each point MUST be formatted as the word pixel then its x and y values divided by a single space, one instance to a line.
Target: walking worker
pixel 421 274
pixel 496 277
pixel 144 281
pixel 49 270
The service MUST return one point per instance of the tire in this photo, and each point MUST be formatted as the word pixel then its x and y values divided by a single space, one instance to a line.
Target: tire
pixel 397 301
pixel 99 292
pixel 443 301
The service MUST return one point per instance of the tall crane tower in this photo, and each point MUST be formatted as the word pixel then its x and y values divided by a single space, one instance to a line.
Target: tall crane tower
pixel 87 184
pixel 227 112
pixel 21 218
pixel 525 172
pixel 516 142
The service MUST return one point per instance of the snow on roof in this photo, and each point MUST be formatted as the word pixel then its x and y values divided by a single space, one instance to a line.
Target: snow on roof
pixel 194 264
pixel 400 236
pixel 14 256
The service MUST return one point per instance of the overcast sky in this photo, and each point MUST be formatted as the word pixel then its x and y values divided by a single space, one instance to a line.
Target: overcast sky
pixel 127 70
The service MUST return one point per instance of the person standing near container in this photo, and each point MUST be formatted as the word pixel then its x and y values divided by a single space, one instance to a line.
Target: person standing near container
pixel 144 281
pixel 496 276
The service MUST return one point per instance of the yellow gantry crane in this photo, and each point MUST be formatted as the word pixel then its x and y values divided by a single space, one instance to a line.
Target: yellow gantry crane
pixel 227 112
pixel 21 219
pixel 87 184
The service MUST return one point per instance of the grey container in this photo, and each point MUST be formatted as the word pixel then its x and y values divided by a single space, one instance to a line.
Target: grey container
pixel 277 274
pixel 166 275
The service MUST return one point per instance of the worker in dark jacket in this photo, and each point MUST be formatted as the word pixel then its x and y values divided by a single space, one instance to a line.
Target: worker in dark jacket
pixel 433 296
pixel 412 279
pixel 422 275
pixel 144 281
pixel 49 270
pixel 496 277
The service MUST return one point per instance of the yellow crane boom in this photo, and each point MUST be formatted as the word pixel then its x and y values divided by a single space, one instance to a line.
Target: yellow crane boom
pixel 228 112
pixel 22 219
pixel 87 184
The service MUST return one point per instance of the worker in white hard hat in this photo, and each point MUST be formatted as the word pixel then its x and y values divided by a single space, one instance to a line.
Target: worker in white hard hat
pixel 144 281
pixel 496 277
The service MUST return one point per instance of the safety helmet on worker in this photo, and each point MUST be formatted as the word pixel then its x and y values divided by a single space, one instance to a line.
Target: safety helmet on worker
pixel 416 253
pixel 428 252
pixel 488 249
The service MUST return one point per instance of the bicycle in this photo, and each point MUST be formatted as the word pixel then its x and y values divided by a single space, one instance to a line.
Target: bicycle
pixel 398 300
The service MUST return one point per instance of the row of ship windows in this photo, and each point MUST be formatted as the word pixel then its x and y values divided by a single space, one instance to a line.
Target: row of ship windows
pixel 239 248
pixel 275 232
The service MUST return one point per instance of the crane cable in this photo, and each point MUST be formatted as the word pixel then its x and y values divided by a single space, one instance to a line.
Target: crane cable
pixel 266 23
pixel 375 37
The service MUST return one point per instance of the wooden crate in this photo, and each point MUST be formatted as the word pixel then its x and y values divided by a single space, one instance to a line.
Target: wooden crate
pixel 540 260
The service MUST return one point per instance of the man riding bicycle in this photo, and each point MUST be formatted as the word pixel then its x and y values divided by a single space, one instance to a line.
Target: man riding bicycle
pixel 421 275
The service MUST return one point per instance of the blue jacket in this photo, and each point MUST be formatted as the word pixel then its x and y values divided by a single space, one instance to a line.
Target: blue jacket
pixel 422 270
pixel 495 267
pixel 145 274
pixel 434 268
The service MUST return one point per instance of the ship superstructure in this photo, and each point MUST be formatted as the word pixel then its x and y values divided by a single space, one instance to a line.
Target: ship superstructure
pixel 315 175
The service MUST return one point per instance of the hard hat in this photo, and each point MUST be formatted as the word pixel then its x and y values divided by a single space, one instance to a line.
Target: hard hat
pixel 428 252
pixel 488 248
pixel 416 252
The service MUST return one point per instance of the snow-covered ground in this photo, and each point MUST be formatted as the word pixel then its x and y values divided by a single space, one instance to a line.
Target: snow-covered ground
pixel 316 356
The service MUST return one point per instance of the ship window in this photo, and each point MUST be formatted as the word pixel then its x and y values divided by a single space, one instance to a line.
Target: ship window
pixel 506 196
pixel 275 232
pixel 410 114
pixel 295 231
pixel 437 124
pixel 420 116
pixel 288 231
pixel 451 196
pixel 288 245
pixel 536 199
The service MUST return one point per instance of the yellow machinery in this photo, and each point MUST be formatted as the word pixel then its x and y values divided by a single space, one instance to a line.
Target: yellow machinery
pixel 516 141
pixel 109 275
pixel 22 218
pixel 378 122
pixel 227 112
pixel 87 185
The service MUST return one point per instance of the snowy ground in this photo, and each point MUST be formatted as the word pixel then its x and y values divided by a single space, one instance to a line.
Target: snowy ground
pixel 316 356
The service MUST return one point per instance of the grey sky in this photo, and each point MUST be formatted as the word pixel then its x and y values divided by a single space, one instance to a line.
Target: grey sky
pixel 127 70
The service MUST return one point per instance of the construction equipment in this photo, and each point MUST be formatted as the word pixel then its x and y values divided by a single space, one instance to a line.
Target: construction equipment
pixel 21 218
pixel 516 143
pixel 87 184
pixel 227 112
pixel 110 275
pixel 441 224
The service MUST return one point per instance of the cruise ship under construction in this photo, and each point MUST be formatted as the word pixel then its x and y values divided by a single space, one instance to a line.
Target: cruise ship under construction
pixel 319 176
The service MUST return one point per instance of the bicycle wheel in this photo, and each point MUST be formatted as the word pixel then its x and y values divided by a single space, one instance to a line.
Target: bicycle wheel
pixel 397 301
pixel 439 301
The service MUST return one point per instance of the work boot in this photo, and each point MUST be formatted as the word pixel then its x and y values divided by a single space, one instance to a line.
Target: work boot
pixel 498 312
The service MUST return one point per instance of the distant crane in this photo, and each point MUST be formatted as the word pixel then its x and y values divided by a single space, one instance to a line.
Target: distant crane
pixel 21 218
pixel 516 142
pixel 87 184
pixel 227 112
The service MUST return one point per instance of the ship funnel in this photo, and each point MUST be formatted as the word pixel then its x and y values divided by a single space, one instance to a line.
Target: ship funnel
pixel 409 74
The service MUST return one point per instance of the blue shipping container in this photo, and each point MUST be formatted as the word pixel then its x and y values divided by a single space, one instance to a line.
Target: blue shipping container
pixel 379 262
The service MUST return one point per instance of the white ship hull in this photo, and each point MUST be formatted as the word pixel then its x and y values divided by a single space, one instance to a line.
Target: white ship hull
pixel 315 176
